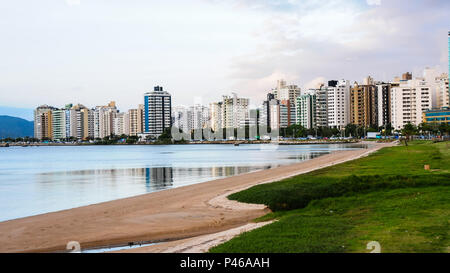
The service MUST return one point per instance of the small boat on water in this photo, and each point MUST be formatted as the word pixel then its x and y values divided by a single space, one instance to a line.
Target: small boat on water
pixel 4 145
pixel 236 144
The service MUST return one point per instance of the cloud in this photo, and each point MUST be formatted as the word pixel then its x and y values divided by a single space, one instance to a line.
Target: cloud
pixel 121 49
pixel 341 39
pixel 315 83
pixel 373 2
pixel 73 2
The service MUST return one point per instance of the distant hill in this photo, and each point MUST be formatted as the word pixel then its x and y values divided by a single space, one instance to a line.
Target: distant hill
pixel 24 113
pixel 15 127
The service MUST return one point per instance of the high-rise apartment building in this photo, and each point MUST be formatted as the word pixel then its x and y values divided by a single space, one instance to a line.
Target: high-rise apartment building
pixel 215 112
pixel 274 113
pixel 121 124
pixel 103 120
pixel 338 103
pixel 384 104
pixel 278 115
pixel 321 111
pixel 59 124
pixel 287 95
pixel 43 122
pixel 181 118
pixel 136 124
pixel 191 118
pixel 264 113
pixel 409 99
pixel 306 110
pixel 234 111
pixel 199 117
pixel 442 92
pixel 81 122
pixel 363 104
pixel 157 111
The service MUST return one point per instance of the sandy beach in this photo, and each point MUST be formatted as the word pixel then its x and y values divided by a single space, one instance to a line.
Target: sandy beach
pixel 181 215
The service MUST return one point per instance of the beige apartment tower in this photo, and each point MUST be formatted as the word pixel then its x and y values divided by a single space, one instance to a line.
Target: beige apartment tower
pixel 363 104
pixel 136 123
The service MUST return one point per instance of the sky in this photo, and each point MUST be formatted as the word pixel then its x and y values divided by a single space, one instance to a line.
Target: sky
pixel 93 51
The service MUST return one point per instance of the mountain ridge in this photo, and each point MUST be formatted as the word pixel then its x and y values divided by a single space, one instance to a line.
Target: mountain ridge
pixel 15 127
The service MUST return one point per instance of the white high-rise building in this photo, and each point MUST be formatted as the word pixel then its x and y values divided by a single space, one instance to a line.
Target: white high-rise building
pixel 103 120
pixel 287 94
pixel 439 87
pixel 199 117
pixel 442 96
pixel 191 118
pixel 338 104
pixel 181 118
pixel 234 111
pixel 121 124
pixel 409 99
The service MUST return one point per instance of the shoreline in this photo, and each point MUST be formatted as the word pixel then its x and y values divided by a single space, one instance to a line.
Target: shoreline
pixel 170 215
pixel 201 244
pixel 230 142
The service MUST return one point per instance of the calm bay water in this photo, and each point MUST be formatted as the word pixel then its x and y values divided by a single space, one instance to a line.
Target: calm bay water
pixel 35 180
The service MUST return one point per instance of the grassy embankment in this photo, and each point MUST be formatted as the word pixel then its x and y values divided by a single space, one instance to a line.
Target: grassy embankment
pixel 387 197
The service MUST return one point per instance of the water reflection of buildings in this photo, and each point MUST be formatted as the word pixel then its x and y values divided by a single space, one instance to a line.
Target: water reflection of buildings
pixel 158 178
pixel 152 178
pixel 155 178
pixel 304 157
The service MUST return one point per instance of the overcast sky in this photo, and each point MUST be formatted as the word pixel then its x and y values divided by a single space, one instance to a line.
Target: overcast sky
pixel 94 51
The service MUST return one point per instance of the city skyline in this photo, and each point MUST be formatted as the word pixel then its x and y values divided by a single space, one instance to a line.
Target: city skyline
pixel 261 42
pixel 336 104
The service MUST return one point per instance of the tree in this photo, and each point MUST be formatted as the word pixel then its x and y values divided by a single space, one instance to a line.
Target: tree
pixel 166 136
pixel 350 130
pixel 408 131
pixel 444 128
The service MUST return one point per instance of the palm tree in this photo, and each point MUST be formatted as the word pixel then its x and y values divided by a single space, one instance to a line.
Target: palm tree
pixel 408 131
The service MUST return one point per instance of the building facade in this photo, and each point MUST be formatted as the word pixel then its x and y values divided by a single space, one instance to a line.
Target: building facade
pixel 43 122
pixel 384 104
pixel 306 107
pixel 59 124
pixel 103 120
pixel 157 111
pixel 409 99
pixel 287 95
pixel 321 111
pixel 338 103
pixel 135 117
pixel 215 112
pixel 437 116
pixel 234 111
pixel 363 104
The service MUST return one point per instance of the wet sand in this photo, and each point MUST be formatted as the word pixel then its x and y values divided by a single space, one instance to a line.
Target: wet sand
pixel 187 213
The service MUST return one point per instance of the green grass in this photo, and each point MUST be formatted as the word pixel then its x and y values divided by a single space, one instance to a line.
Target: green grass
pixel 387 197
